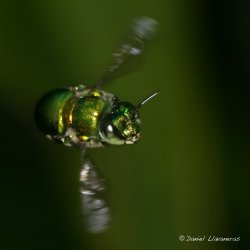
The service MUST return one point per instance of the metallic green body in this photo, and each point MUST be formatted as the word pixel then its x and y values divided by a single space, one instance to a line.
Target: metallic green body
pixel 74 115
pixel 78 115
pixel 124 122
pixel 50 111
pixel 86 116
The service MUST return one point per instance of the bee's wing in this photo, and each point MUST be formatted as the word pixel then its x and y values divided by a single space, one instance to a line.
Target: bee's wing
pixel 129 53
pixel 96 210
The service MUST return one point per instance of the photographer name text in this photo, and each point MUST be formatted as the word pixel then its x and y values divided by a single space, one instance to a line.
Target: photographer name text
pixel 211 238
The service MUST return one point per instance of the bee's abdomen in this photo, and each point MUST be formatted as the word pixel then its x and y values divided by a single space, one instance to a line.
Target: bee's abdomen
pixel 51 111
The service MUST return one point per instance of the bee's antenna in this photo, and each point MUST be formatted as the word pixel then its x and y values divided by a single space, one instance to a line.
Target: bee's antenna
pixel 147 99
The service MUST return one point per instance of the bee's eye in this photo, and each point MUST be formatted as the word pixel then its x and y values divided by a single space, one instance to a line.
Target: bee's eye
pixel 109 132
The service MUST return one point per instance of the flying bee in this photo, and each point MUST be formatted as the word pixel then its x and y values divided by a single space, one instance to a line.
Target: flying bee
pixel 88 117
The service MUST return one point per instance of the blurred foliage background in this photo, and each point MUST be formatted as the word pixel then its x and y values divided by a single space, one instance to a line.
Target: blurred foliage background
pixel 188 175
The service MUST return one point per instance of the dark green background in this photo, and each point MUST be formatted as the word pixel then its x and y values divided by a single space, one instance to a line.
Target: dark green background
pixel 189 174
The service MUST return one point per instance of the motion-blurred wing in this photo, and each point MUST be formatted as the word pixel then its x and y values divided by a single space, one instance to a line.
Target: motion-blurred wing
pixel 95 207
pixel 129 54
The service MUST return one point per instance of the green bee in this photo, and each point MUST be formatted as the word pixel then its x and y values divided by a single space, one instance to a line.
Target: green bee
pixel 88 117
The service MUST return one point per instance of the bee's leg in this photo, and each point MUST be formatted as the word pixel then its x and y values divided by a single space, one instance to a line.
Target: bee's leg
pixel 69 138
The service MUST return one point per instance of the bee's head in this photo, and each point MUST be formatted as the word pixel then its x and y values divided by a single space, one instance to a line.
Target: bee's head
pixel 121 125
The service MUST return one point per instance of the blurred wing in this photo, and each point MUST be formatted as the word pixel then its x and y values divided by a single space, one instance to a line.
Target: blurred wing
pixel 95 207
pixel 129 54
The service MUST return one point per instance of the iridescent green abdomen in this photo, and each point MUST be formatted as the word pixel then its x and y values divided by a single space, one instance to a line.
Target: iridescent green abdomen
pixel 51 111
pixel 78 115
pixel 72 115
